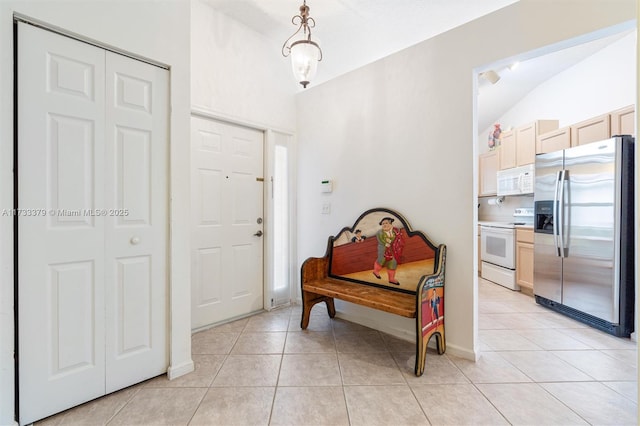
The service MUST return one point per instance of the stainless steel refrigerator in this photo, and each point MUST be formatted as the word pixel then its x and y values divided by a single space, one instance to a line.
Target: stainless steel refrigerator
pixel 583 233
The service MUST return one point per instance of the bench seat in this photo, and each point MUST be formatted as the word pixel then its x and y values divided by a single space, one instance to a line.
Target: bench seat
pixel 377 298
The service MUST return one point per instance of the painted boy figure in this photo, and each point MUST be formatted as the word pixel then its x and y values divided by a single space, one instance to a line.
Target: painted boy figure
pixel 390 245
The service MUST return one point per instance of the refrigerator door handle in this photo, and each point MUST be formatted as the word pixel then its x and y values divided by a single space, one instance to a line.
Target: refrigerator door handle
pixel 555 214
pixel 564 175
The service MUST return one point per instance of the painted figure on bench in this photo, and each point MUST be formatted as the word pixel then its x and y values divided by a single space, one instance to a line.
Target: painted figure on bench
pixel 358 237
pixel 390 245
pixel 435 303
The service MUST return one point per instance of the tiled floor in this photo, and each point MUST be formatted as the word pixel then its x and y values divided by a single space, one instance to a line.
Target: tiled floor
pixel 536 368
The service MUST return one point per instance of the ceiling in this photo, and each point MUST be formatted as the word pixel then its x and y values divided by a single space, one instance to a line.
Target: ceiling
pixel 353 33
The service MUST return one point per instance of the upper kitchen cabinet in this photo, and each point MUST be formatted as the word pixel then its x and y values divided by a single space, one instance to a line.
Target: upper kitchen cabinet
pixel 518 147
pixel 554 140
pixel 488 167
pixel 507 149
pixel 592 130
pixel 623 121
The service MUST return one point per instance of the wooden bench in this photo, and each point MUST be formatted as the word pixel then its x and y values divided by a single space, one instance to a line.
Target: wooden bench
pixel 405 276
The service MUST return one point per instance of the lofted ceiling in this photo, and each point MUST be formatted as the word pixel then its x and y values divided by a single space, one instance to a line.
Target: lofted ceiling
pixel 353 33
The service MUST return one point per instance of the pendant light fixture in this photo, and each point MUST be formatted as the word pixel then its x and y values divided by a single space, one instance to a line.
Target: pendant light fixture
pixel 305 53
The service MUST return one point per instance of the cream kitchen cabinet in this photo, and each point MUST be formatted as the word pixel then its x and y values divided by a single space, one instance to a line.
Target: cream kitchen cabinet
pixel 524 259
pixel 508 149
pixel 518 147
pixel 487 168
pixel 554 140
pixel 623 121
pixel 592 130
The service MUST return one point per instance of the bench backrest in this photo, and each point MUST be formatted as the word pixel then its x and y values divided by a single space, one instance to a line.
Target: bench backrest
pixel 398 254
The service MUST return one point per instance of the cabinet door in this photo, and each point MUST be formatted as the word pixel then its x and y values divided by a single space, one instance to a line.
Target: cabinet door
pixel 526 144
pixel 479 255
pixel 507 150
pixel 554 141
pixel 592 130
pixel 524 264
pixel 623 121
pixel 487 167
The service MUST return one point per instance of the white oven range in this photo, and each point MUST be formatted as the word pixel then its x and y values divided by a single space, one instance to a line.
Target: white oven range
pixel 498 252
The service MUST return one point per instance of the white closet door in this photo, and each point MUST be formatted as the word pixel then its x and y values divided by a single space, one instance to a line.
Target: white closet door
pixel 92 230
pixel 60 253
pixel 227 222
pixel 136 182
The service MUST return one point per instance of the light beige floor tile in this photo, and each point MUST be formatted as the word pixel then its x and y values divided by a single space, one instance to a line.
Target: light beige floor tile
pixel 310 342
pixel 595 402
pixel 309 406
pixel 97 412
pixel 260 343
pixel 383 405
pixel 266 322
pixel 206 367
pixel 249 370
pixel 543 366
pixel 627 389
pixel 459 404
pixel 316 323
pixel 438 369
pixel 235 406
pixel 369 341
pixel 369 368
pixel 310 370
pixel 495 307
pixel 550 339
pixel 598 365
pixel 490 368
pixel 599 339
pixel 156 406
pixel 491 322
pixel 236 326
pixel 213 343
pixel 550 320
pixel 528 404
pixel 628 356
pixel 506 340
pixel 397 345
pixel 341 326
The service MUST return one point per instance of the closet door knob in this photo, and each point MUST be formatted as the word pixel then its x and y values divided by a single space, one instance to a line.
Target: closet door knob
pixel 134 240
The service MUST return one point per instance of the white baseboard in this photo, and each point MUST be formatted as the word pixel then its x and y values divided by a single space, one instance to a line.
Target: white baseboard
pixel 180 370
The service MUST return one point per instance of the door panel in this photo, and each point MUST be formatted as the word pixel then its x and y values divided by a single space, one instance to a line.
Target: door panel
pixel 60 251
pixel 227 256
pixel 92 238
pixel 136 222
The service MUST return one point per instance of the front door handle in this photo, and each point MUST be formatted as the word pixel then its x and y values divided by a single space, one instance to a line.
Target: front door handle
pixel 258 234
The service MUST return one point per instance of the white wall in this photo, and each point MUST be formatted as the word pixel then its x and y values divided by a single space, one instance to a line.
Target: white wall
pixel 155 29
pixel 596 85
pixel 237 73
pixel 400 133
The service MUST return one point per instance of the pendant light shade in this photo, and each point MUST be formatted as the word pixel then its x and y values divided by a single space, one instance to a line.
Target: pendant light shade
pixel 305 53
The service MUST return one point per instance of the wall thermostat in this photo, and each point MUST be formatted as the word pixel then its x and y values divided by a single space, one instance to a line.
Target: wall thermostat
pixel 326 186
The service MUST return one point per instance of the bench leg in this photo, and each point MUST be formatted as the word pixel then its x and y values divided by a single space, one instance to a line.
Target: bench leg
pixel 421 355
pixel 308 301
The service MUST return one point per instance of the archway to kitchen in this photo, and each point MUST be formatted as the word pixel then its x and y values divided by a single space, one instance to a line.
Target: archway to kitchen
pixel 575 81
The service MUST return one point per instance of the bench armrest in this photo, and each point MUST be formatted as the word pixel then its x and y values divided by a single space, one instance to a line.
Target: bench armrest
pixel 314 268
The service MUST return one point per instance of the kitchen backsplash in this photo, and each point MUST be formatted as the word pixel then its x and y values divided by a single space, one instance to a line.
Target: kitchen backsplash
pixel 502 212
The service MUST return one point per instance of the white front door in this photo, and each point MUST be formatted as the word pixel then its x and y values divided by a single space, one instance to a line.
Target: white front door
pixel 92 222
pixel 227 222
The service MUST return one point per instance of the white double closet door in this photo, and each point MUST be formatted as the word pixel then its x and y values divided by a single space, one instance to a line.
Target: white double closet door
pixel 92 222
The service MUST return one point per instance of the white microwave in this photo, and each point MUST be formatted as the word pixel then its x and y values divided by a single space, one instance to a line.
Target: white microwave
pixel 516 181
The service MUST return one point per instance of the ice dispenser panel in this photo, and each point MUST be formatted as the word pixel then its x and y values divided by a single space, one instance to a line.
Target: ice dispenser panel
pixel 543 217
